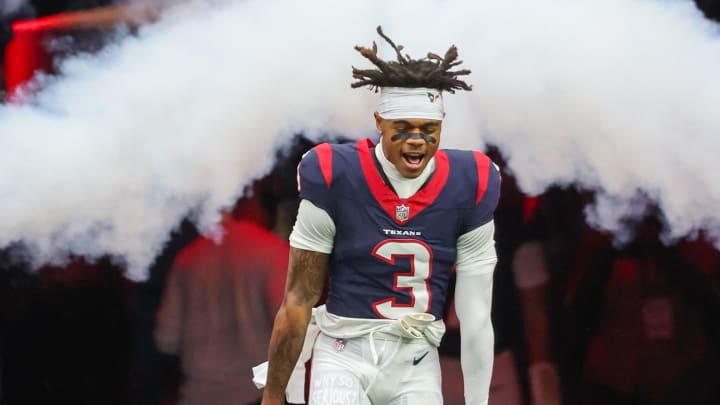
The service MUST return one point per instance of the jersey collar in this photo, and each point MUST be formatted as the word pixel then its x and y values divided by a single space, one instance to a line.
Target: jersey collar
pixel 401 210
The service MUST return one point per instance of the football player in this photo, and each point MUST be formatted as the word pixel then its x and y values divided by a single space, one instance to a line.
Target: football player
pixel 388 223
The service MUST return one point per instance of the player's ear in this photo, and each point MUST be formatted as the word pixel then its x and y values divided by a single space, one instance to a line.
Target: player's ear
pixel 378 120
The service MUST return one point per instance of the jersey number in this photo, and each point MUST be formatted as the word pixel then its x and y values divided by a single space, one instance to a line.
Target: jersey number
pixel 416 281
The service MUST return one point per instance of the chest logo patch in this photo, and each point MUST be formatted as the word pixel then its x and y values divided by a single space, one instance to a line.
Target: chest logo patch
pixel 402 212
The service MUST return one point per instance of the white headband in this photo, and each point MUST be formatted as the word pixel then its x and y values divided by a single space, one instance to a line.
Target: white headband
pixel 400 102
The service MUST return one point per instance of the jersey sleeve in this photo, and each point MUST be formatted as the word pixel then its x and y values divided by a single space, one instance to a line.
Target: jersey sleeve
pixel 314 229
pixel 486 195
pixel 476 250
pixel 315 174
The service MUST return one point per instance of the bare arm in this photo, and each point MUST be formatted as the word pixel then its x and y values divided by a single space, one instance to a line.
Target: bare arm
pixel 168 325
pixel 531 278
pixel 306 278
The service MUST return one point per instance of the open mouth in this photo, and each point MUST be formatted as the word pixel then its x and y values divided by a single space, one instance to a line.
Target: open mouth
pixel 413 160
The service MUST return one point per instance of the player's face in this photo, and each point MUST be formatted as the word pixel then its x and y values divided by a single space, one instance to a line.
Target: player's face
pixel 410 143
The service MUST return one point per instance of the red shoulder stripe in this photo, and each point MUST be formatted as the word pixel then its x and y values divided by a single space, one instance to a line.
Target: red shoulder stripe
pixel 324 151
pixel 483 167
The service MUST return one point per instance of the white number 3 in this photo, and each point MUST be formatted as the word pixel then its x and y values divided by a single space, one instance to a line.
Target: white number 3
pixel 416 281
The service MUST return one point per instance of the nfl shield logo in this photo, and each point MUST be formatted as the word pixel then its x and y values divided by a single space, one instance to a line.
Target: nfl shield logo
pixel 402 212
pixel 339 344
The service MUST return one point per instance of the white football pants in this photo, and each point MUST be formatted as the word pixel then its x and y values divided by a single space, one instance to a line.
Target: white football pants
pixel 374 370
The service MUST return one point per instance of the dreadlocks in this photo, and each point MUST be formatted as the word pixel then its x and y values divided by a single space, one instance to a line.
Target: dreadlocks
pixel 431 72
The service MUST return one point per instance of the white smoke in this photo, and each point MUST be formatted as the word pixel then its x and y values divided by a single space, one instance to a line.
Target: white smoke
pixel 616 95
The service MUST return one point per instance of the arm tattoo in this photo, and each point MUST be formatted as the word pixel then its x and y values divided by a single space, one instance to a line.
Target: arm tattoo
pixel 306 275
pixel 283 353
pixel 305 282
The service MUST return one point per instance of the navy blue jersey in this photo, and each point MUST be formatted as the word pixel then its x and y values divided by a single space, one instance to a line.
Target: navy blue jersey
pixel 394 256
